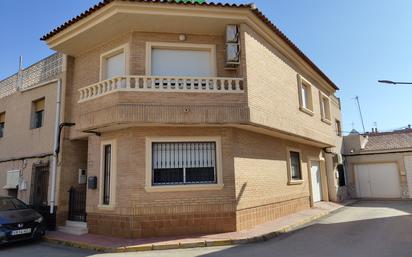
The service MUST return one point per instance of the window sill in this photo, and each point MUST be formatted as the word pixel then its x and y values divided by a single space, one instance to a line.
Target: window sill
pixel 295 182
pixel 106 207
pixel 184 188
pixel 307 111
pixel 327 121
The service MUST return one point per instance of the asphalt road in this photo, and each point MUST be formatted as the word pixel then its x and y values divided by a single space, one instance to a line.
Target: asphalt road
pixel 366 229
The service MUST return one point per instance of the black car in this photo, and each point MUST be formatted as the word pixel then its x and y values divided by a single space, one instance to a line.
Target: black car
pixel 19 222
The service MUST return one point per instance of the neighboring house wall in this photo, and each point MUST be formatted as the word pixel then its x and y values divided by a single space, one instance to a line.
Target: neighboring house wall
pixel 21 146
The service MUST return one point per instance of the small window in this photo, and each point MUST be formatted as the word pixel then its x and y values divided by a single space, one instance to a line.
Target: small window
pixel 107 167
pixel 325 108
pixel 183 163
pixel 338 128
pixel 305 96
pixel 114 63
pixel 2 123
pixel 295 167
pixel 37 113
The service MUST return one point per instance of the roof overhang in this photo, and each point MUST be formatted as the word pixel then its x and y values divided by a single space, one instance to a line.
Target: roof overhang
pixel 112 18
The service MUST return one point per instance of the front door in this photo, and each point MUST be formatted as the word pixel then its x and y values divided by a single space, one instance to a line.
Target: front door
pixel 40 187
pixel 316 181
pixel 77 203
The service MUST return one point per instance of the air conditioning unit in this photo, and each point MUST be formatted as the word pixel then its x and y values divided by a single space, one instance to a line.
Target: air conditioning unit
pixel 232 34
pixel 232 46
pixel 82 177
pixel 337 158
pixel 13 177
pixel 232 53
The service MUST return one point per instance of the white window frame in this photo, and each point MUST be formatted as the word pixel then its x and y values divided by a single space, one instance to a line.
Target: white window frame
pixel 180 46
pixel 292 181
pixel 113 174
pixel 323 109
pixel 115 51
pixel 188 187
pixel 309 101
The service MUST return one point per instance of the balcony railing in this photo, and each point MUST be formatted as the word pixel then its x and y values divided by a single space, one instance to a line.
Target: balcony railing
pixel 162 84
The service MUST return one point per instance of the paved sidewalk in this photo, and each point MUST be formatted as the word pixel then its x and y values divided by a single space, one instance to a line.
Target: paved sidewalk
pixel 259 233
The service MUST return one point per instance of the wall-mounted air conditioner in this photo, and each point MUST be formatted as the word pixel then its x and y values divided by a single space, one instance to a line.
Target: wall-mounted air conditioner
pixel 232 46
pixel 12 179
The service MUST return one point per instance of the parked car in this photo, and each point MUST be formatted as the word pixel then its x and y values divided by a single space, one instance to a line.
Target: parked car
pixel 19 222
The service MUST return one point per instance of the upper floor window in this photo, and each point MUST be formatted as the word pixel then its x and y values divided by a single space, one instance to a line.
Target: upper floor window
pixel 305 95
pixel 113 63
pixel 37 113
pixel 338 128
pixel 325 108
pixel 2 123
pixel 185 60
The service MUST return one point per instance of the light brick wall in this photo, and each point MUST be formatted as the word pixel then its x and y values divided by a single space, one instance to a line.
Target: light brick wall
pixel 273 91
pixel 254 176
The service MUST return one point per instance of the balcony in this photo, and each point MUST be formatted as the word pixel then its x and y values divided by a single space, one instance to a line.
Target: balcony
pixel 146 100
pixel 162 84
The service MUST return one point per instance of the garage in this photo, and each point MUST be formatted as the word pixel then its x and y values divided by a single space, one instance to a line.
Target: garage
pixel 379 180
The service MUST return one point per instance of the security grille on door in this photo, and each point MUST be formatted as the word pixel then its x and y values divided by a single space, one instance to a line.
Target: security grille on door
pixel 180 163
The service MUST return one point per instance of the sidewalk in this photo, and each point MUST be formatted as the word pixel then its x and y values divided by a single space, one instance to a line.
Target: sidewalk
pixel 259 233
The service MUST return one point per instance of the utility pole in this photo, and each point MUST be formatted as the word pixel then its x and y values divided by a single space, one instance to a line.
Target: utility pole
pixel 360 114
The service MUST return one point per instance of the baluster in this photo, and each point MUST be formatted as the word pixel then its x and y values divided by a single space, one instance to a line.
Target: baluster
pixel 144 82
pixel 128 80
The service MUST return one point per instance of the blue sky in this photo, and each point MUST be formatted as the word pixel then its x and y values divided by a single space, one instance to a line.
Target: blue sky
pixel 354 42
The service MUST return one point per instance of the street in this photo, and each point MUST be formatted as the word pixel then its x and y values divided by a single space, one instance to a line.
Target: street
pixel 366 229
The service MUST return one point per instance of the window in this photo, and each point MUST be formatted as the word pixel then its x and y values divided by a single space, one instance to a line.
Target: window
pixel 325 108
pixel 107 188
pixel 295 168
pixel 114 63
pixel 178 59
pixel 2 123
pixel 180 163
pixel 37 113
pixel 305 95
pixel 338 128
pixel 107 167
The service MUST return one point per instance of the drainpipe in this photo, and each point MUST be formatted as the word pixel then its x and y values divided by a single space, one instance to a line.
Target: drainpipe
pixel 55 147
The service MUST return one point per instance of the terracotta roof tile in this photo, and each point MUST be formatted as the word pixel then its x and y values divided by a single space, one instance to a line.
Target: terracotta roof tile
pixel 389 141
pixel 251 7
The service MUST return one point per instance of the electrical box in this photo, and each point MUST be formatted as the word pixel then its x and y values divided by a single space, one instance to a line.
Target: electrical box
pixel 82 176
pixel 92 182
pixel 337 158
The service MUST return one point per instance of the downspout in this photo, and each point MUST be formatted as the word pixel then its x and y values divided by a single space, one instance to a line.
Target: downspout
pixel 55 147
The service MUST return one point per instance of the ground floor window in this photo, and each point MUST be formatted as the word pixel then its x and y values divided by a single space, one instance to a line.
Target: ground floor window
pixel 181 163
pixel 295 168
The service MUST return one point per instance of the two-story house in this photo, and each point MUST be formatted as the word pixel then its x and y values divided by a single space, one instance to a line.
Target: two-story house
pixel 190 118
pixel 27 132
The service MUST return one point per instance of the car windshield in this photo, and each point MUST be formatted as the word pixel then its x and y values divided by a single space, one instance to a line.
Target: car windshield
pixel 9 204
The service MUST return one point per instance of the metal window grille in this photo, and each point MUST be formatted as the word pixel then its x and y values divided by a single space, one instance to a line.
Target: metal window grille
pixel 38 119
pixel 106 173
pixel 1 129
pixel 183 163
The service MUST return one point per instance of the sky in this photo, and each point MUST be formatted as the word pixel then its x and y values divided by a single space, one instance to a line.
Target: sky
pixel 355 42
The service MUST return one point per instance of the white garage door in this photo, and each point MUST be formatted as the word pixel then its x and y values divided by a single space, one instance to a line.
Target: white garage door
pixel 379 180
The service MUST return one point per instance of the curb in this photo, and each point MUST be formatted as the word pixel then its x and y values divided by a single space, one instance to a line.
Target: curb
pixel 183 245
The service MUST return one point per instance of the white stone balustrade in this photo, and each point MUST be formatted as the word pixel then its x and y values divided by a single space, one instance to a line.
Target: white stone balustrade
pixel 162 84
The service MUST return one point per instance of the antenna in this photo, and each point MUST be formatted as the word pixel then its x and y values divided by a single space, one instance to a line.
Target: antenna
pixel 20 74
pixel 360 113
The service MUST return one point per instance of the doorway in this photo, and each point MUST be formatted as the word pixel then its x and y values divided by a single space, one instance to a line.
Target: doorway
pixel 316 181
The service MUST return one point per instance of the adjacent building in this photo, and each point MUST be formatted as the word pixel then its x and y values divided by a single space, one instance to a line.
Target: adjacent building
pixel 190 118
pixel 379 164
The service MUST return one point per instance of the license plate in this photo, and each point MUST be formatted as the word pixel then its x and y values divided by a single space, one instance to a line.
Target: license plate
pixel 21 231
